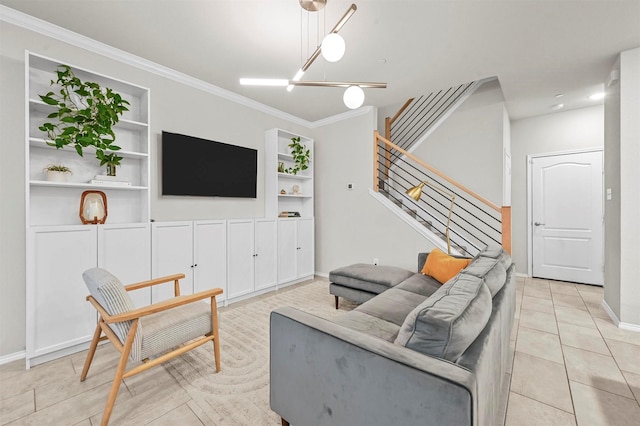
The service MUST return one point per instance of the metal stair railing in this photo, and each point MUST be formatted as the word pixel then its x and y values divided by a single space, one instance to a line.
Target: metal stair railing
pixel 473 223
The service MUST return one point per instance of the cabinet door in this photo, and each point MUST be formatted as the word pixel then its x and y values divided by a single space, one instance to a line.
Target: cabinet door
pixel 58 314
pixel 171 253
pixel 210 256
pixel 305 248
pixel 240 267
pixel 266 247
pixel 287 253
pixel 125 251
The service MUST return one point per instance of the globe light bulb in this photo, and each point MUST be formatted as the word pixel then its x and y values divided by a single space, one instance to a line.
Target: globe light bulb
pixel 353 97
pixel 333 47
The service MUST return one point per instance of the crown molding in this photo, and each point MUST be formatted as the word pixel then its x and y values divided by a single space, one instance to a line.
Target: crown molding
pixel 340 117
pixel 48 29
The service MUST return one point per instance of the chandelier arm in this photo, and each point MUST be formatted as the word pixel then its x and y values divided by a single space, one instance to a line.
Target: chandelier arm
pixel 362 84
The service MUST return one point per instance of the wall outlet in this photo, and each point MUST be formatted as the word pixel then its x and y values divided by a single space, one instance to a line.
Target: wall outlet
pixel 375 261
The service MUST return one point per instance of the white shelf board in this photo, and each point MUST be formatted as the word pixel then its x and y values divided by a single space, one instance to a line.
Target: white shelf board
pixel 290 176
pixel 40 143
pixel 85 185
pixel 294 196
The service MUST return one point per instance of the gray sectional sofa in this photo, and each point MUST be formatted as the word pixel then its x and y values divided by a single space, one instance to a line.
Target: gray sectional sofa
pixel 418 353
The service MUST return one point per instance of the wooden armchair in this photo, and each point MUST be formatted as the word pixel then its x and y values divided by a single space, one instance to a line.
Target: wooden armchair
pixel 146 334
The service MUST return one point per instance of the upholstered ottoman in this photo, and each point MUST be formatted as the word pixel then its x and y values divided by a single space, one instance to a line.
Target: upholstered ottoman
pixel 360 282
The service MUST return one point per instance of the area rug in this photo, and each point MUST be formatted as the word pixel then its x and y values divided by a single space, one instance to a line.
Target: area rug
pixel 239 394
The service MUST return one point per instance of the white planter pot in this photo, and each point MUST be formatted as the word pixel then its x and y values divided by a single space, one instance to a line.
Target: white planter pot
pixel 55 176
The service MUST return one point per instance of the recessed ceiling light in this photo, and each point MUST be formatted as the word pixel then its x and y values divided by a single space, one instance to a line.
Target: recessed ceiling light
pixel 557 107
pixel 382 61
pixel 559 95
pixel 597 96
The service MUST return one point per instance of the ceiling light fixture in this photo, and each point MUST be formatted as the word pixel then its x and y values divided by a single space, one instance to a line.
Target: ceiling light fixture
pixel 597 96
pixel 332 49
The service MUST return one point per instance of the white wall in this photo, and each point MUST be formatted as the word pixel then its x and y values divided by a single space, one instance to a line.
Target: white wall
pixel 351 226
pixel 563 131
pixel 622 175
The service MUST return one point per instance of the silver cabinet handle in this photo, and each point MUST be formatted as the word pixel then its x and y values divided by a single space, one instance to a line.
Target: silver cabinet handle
pixel 538 223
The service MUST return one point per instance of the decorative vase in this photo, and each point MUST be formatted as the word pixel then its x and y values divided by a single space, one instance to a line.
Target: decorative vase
pixel 281 167
pixel 111 169
pixel 56 176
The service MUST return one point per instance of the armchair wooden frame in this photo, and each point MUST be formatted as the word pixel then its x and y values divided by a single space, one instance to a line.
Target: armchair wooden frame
pixel 134 316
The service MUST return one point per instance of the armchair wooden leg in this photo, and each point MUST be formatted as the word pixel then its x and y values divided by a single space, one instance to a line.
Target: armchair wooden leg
pixel 336 301
pixel 216 333
pixel 284 422
pixel 91 353
pixel 117 380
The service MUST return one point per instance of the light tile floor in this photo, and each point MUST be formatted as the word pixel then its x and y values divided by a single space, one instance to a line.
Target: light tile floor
pixel 571 366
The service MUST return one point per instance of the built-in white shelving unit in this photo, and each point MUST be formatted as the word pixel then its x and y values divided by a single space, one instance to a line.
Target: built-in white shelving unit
pixel 277 151
pixel 59 247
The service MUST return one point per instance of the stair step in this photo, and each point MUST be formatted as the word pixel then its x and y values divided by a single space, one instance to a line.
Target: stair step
pixel 410 212
pixel 426 223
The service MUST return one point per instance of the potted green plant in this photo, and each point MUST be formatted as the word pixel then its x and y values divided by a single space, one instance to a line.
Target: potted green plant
pixel 57 172
pixel 85 114
pixel 301 155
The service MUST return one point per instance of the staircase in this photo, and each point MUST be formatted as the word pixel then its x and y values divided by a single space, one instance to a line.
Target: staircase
pixel 453 217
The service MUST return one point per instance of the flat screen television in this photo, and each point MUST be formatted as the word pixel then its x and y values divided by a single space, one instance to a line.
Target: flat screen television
pixel 200 167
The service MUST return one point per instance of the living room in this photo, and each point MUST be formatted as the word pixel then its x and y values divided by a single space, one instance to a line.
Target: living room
pixel 347 222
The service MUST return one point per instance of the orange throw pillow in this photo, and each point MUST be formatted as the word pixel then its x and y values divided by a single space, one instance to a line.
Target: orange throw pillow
pixel 443 267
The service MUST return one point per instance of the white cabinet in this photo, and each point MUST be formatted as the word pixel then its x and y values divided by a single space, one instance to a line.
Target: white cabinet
pixel 266 253
pixel 295 250
pixel 59 319
pixel 240 257
pixel 58 316
pixel 195 249
pixel 125 251
pixel 251 256
pixel 210 256
pixel 172 253
pixel 280 195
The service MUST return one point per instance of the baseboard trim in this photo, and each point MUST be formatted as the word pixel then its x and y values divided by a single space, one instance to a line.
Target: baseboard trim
pixel 522 275
pixel 617 322
pixel 5 359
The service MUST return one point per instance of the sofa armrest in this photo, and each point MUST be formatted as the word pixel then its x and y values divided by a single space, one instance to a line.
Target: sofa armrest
pixel 325 374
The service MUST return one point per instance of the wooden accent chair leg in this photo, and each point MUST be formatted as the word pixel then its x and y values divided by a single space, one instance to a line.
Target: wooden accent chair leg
pixel 91 353
pixel 117 380
pixel 216 333
pixel 284 422
pixel 336 301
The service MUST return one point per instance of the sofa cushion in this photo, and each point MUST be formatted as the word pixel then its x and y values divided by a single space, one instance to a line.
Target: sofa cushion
pixel 393 305
pixel 420 284
pixel 443 267
pixel 369 324
pixel 374 279
pixel 491 270
pixel 446 323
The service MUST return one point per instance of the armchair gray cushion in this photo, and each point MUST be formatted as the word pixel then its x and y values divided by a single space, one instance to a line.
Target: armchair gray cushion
pixel 111 295
pixel 448 322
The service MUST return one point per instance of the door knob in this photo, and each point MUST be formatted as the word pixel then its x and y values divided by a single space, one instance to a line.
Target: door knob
pixel 538 223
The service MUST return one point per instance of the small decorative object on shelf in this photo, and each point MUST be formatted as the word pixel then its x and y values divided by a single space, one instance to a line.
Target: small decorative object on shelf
pixel 283 192
pixel 85 114
pixel 109 180
pixel 295 190
pixel 57 173
pixel 300 155
pixel 289 214
pixel 93 207
pixel 280 167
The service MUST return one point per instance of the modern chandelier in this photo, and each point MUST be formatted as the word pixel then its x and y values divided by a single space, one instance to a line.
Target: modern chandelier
pixel 332 49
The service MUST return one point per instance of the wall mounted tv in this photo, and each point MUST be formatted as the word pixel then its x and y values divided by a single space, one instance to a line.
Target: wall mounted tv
pixel 200 167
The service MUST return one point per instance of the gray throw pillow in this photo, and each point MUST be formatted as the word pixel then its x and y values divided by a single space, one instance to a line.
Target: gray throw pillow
pixel 450 320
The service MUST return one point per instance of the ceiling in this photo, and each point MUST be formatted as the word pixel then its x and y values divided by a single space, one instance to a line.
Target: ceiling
pixel 537 49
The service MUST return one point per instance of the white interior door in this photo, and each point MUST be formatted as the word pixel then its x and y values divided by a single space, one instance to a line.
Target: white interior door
pixel 566 216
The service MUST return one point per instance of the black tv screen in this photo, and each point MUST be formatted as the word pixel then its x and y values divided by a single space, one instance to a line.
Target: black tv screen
pixel 200 167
